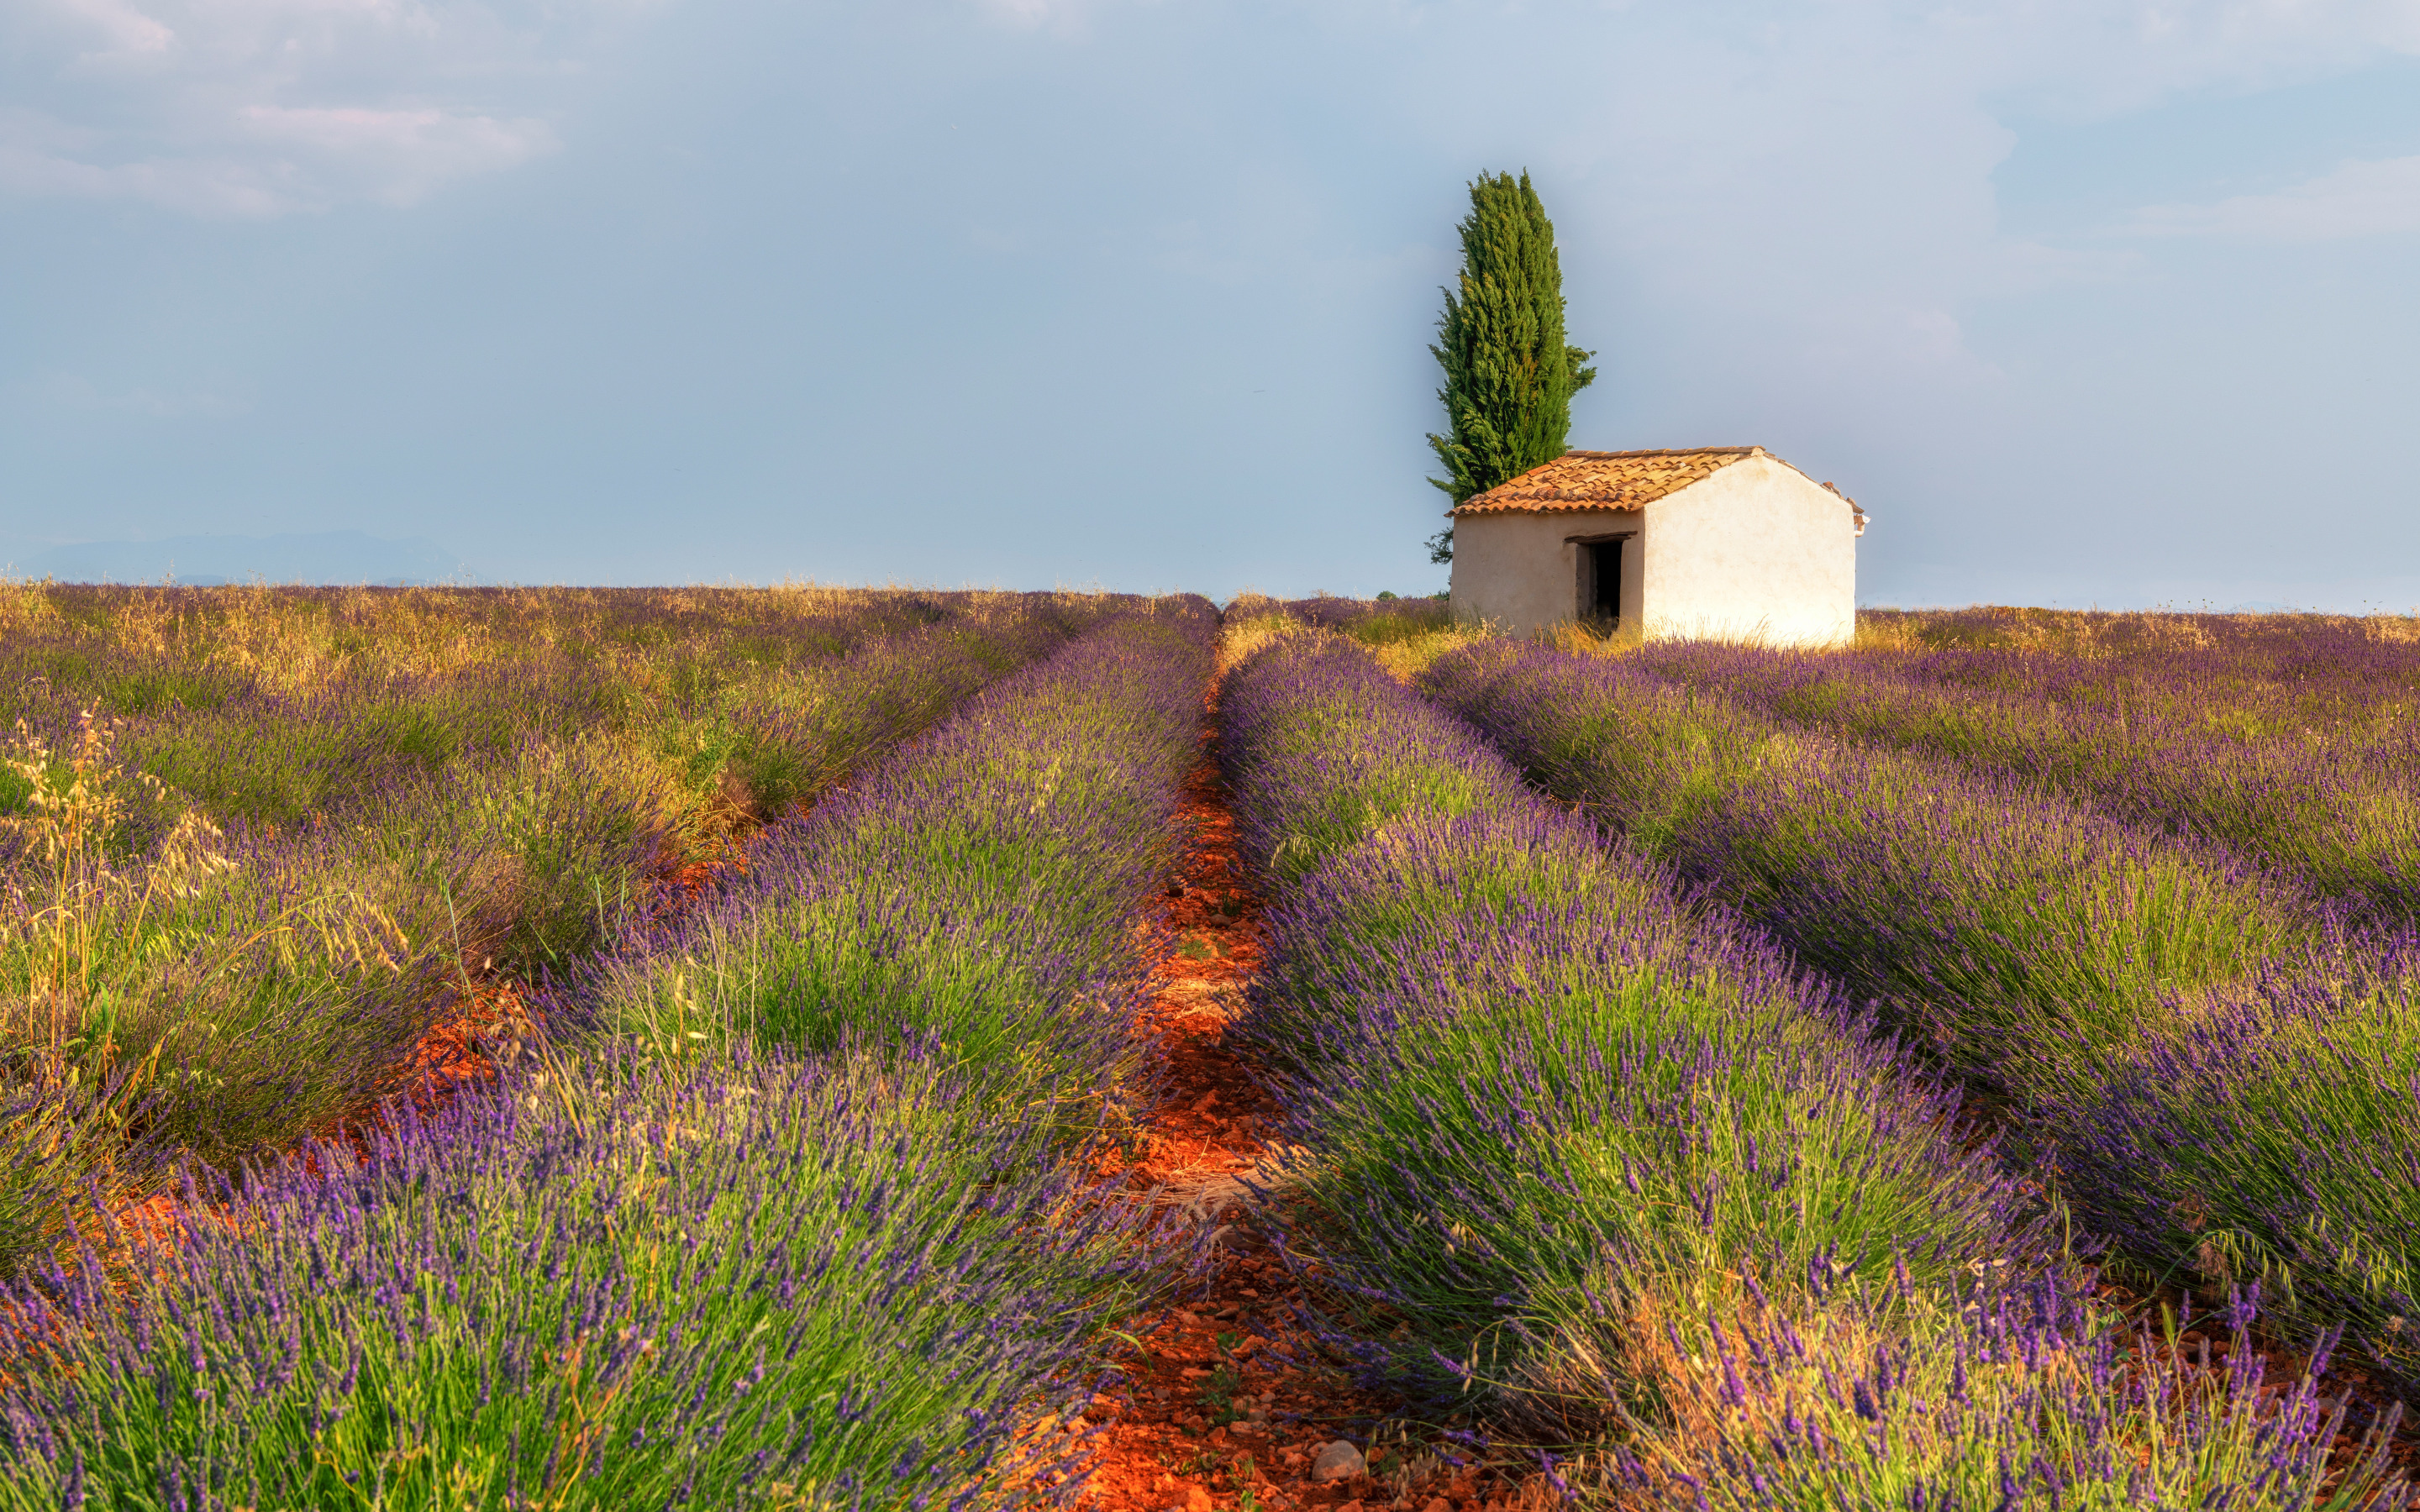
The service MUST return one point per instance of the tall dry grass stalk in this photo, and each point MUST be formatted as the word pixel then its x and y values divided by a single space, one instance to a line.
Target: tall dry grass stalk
pixel 76 800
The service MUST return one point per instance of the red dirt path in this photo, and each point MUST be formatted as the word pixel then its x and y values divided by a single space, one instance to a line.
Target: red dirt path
pixel 1157 1439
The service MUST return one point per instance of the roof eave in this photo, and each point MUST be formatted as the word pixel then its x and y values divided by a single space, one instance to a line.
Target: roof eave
pixel 1550 506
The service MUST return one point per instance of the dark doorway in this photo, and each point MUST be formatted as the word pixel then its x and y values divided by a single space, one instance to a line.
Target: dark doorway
pixel 1605 581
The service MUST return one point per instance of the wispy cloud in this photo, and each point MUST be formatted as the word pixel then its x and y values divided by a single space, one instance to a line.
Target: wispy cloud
pixel 2360 199
pixel 122 29
pixel 71 391
pixel 398 156
pixel 257 108
pixel 1063 16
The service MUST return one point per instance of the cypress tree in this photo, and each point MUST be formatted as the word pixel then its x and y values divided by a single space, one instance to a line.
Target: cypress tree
pixel 1509 374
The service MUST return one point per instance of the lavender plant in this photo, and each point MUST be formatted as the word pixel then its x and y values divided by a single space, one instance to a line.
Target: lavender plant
pixel 396 827
pixel 976 893
pixel 1536 1097
pixel 741 1281
pixel 1324 774
pixel 2210 1085
pixel 1369 621
pixel 2029 939
pixel 222 996
pixel 2193 747
pixel 2314 650
pixel 1406 634
pixel 284 708
pixel 771 1285
pixel 2023 1398
pixel 2276 1142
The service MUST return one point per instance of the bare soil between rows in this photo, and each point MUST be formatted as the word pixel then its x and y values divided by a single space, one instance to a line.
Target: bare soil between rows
pixel 1227 1403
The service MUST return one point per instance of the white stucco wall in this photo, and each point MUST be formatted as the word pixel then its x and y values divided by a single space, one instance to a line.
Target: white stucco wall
pixel 1757 551
pixel 1515 571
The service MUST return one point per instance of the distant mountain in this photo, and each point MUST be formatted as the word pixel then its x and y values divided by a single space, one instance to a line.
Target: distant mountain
pixel 325 557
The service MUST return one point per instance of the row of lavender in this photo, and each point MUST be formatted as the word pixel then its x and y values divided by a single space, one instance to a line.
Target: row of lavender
pixel 2274 1135
pixel 976 899
pixel 184 971
pixel 2309 770
pixel 2320 653
pixel 1586 1154
pixel 795 1218
pixel 2215 1071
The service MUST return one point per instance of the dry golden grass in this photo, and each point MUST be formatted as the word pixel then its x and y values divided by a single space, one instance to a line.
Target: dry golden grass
pixel 307 640
pixel 1252 627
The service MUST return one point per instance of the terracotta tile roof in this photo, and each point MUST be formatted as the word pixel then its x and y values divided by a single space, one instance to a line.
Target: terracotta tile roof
pixel 1605 480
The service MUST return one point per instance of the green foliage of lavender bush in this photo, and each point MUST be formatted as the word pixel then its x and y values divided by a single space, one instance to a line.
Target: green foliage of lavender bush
pixel 225 995
pixel 1345 786
pixel 2027 1400
pixel 768 1287
pixel 784 732
pixel 2180 752
pixel 273 771
pixel 1536 1098
pixel 2276 1142
pixel 286 706
pixel 53 1161
pixel 289 767
pixel 1422 907
pixel 154 690
pixel 1611 1141
pixel 2030 939
pixel 975 896
pixel 537 854
pixel 814 971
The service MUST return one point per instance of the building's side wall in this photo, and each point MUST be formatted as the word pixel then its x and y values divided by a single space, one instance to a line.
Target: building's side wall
pixel 1756 552
pixel 1515 573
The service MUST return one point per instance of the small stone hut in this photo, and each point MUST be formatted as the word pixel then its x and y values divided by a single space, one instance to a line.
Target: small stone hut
pixel 1720 542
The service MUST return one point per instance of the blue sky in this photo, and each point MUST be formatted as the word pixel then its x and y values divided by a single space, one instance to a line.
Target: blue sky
pixel 2085 302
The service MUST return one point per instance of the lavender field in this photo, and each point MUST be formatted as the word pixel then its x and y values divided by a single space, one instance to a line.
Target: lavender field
pixel 753 1213
pixel 1972 1070
pixel 1768 1110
